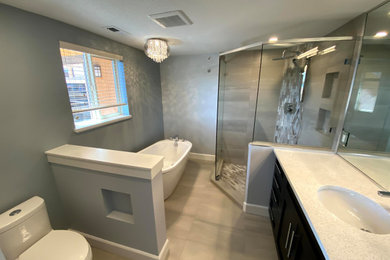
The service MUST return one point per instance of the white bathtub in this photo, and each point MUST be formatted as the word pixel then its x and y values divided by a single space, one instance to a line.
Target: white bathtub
pixel 175 159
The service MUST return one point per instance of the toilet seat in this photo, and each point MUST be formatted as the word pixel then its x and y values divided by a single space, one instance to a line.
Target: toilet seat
pixel 59 245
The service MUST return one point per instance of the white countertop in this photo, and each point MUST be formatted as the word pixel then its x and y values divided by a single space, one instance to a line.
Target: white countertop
pixel 145 166
pixel 307 171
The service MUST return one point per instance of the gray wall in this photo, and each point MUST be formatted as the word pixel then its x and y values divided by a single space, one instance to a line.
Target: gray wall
pixel 189 96
pixel 87 208
pixel 321 67
pixel 261 163
pixel 36 114
pixel 272 73
pixel 271 77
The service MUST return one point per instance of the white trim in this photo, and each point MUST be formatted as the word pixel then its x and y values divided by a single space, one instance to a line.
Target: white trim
pixel 75 47
pixel 202 156
pixel 125 251
pixel 108 122
pixel 255 209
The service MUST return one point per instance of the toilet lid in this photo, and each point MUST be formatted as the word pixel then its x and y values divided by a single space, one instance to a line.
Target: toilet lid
pixel 59 245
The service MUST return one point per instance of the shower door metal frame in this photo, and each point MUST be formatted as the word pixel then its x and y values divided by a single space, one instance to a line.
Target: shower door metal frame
pixel 216 172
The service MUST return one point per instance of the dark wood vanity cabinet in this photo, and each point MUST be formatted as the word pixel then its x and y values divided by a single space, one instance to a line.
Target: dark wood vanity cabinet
pixel 293 236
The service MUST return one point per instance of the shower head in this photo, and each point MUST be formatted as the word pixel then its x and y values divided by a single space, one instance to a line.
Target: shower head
pixel 293 55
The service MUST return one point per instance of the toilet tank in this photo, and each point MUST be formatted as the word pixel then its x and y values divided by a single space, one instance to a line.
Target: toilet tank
pixel 22 226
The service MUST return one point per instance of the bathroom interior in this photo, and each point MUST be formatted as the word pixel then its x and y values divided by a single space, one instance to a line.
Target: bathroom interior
pixel 162 130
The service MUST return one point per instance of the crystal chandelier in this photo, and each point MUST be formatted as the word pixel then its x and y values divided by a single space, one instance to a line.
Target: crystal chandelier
pixel 157 49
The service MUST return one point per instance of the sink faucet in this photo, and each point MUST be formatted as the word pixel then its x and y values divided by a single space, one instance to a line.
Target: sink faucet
pixel 383 193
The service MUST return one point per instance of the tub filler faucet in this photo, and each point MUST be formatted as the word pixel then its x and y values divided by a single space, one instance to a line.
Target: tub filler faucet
pixel 383 193
pixel 176 139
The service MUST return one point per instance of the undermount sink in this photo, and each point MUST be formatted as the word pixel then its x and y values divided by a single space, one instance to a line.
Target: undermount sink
pixel 355 209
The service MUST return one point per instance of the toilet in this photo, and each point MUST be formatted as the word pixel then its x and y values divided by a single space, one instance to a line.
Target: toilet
pixel 26 234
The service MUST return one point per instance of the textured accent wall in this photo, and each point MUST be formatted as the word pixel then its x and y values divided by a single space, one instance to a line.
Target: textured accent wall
pixel 36 114
pixel 189 95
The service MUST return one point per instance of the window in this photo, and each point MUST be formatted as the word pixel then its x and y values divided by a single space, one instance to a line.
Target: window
pixel 97 70
pixel 96 86
pixel 368 92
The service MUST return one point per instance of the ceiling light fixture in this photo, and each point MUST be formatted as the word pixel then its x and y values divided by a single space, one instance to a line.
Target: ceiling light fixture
pixel 157 49
pixel 380 34
pixel 273 39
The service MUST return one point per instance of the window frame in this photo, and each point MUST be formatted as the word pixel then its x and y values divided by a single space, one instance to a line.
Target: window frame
pixel 89 70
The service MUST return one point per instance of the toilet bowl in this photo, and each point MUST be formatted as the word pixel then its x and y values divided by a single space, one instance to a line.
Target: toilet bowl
pixel 26 234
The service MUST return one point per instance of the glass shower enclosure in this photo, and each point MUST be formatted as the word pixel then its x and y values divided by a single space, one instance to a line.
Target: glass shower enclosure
pixel 292 92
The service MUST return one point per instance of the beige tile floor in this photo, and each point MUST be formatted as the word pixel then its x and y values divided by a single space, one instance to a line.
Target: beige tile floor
pixel 203 223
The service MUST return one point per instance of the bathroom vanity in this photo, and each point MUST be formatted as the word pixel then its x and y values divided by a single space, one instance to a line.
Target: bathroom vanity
pixel 293 236
pixel 304 228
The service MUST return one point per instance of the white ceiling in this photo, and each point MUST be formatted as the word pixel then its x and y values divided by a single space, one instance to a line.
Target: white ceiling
pixel 218 25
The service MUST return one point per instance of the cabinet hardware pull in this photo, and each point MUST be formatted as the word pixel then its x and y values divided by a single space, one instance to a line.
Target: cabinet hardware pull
pixel 276 183
pixel 271 215
pixel 279 171
pixel 288 235
pixel 274 197
pixel 291 242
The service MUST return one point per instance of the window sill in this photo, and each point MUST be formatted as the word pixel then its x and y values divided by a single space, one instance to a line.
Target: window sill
pixel 109 122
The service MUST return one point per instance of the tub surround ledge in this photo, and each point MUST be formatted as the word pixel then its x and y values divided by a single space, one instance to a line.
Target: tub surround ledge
pixel 307 171
pixel 144 166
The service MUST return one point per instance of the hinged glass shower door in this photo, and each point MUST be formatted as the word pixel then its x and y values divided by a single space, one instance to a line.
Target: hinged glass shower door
pixel 237 95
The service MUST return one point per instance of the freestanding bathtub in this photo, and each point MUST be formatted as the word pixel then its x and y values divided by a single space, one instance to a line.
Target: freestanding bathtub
pixel 175 159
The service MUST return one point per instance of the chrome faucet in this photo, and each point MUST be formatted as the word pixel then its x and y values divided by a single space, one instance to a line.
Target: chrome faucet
pixel 383 193
pixel 176 139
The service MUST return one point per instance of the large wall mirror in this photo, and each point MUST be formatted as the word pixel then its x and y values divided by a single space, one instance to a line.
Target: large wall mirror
pixel 365 141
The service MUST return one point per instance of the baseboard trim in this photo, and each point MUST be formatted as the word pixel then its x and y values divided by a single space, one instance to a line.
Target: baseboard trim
pixel 202 156
pixel 125 251
pixel 255 209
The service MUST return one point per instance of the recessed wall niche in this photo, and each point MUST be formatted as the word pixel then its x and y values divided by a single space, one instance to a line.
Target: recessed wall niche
pixel 330 80
pixel 118 206
pixel 323 121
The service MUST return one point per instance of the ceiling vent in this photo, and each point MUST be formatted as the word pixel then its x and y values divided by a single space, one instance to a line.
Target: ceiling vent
pixel 171 19
pixel 116 30
pixel 113 29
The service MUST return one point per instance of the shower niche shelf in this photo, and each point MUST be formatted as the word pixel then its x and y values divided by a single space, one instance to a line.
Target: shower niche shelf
pixel 323 121
pixel 118 206
pixel 330 84
pixel 328 106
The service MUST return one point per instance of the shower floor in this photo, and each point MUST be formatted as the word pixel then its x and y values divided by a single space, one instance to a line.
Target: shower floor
pixel 233 180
